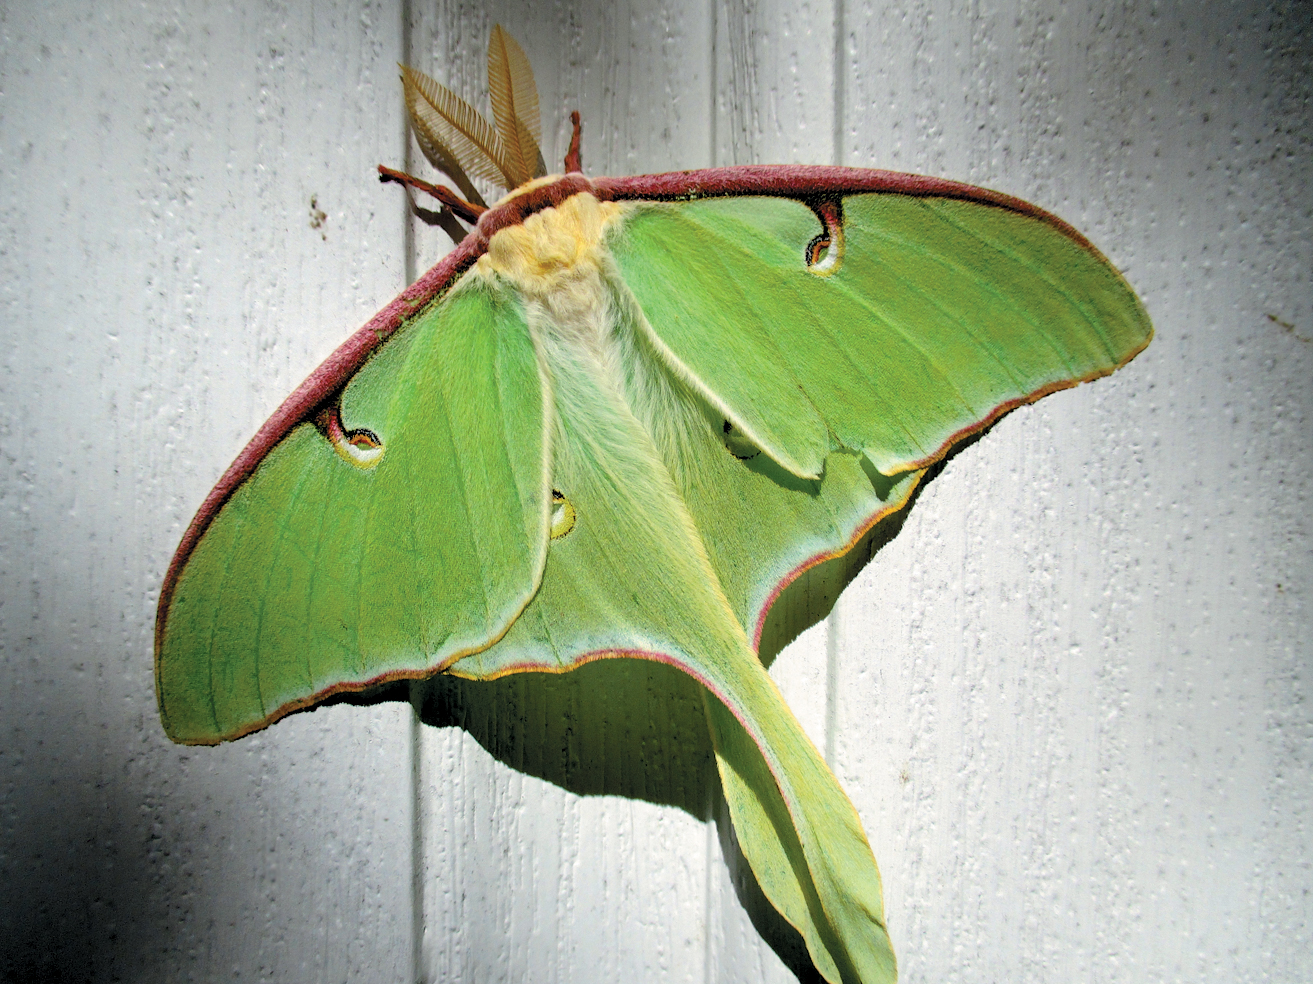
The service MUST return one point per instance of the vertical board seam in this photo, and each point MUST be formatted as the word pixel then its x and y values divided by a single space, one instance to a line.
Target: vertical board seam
pixel 839 30
pixel 713 801
pixel 408 252
pixel 417 866
pixel 408 249
pixel 713 131
pixel 832 682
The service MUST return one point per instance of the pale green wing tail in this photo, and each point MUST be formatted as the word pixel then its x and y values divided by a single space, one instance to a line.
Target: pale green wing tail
pixel 632 577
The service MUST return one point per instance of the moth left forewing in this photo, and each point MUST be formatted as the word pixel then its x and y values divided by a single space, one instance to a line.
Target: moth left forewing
pixel 401 529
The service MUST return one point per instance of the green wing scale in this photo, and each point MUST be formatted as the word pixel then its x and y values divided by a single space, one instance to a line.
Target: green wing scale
pixel 617 423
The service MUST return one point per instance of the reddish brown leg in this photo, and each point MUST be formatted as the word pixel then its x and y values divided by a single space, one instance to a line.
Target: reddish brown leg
pixel 573 163
pixel 459 206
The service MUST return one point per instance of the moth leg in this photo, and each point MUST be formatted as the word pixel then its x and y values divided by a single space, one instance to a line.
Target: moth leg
pixel 443 219
pixel 450 200
pixel 573 162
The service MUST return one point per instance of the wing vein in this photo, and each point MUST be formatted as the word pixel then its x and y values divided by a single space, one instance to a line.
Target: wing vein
pixel 1039 271
pixel 987 286
pixel 751 258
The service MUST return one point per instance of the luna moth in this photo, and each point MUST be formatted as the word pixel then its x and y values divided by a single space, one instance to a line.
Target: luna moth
pixel 616 421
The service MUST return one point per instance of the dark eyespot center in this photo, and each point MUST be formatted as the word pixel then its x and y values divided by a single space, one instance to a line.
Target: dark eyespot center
pixel 737 443
pixel 364 439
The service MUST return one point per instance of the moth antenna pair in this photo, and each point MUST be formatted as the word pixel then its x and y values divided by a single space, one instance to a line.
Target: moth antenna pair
pixel 459 141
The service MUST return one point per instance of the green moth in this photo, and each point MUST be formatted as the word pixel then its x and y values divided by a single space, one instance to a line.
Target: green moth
pixel 616 421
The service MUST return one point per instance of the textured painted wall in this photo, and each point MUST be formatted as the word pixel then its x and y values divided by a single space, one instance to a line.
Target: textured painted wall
pixel 163 289
pixel 1069 698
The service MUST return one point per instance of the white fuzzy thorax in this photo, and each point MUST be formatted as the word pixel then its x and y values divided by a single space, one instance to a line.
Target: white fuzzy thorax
pixel 584 317
pixel 555 260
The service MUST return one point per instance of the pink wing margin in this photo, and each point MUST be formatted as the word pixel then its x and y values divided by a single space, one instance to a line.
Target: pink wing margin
pixel 799 182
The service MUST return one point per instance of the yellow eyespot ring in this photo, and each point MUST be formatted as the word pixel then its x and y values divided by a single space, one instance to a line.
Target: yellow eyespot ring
pixel 361 447
pixel 563 515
